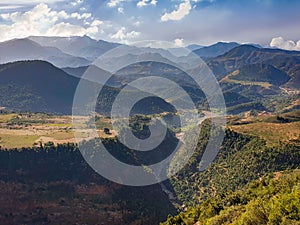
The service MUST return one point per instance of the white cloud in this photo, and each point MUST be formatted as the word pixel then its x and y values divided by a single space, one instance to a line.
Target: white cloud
pixel 62 14
pixel 96 23
pixel 92 31
pixel 5 7
pixel 183 10
pixel 121 10
pixel 42 20
pixel 65 30
pixel 143 3
pixel 137 23
pixel 81 16
pixel 5 16
pixel 114 3
pixel 179 42
pixel 77 2
pixel 153 2
pixel 280 42
pixel 122 34
pixel 31 2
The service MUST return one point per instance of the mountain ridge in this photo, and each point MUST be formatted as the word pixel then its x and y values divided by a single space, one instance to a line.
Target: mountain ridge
pixel 50 88
pixel 25 49
pixel 246 54
pixel 216 49
pixel 85 46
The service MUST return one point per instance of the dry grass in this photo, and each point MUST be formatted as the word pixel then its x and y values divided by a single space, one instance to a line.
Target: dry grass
pixel 5 118
pixel 17 141
pixel 40 128
pixel 230 79
pixel 273 133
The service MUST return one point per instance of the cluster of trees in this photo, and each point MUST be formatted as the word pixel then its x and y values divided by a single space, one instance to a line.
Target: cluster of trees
pixel 54 172
pixel 269 200
pixel 45 164
pixel 240 160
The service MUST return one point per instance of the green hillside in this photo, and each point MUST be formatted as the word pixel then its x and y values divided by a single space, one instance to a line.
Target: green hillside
pixel 225 193
pixel 261 73
pixel 242 158
pixel 244 55
pixel 36 86
pixel 273 199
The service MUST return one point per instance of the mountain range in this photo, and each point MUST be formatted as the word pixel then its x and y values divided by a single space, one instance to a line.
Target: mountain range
pixel 245 55
pixel 82 51
pixel 245 184
pixel 26 49
pixel 216 49
pixel 48 70
pixel 84 47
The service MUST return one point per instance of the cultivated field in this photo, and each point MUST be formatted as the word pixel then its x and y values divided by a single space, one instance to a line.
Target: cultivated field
pixel 27 130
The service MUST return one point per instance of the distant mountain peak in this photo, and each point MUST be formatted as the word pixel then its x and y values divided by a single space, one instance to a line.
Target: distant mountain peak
pixel 241 50
pixel 216 49
pixel 193 47
pixel 28 49
pixel 20 41
pixel 226 43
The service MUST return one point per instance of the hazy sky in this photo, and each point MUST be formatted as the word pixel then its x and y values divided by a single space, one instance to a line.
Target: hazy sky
pixel 180 21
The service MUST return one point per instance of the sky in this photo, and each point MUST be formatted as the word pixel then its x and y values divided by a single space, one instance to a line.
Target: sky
pixel 182 22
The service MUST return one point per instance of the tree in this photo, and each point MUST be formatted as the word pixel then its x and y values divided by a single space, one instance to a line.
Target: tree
pixel 107 131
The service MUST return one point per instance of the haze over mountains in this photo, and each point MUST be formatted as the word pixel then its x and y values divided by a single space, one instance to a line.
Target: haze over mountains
pixel 249 75
pixel 84 47
pixel 25 49
pixel 82 51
